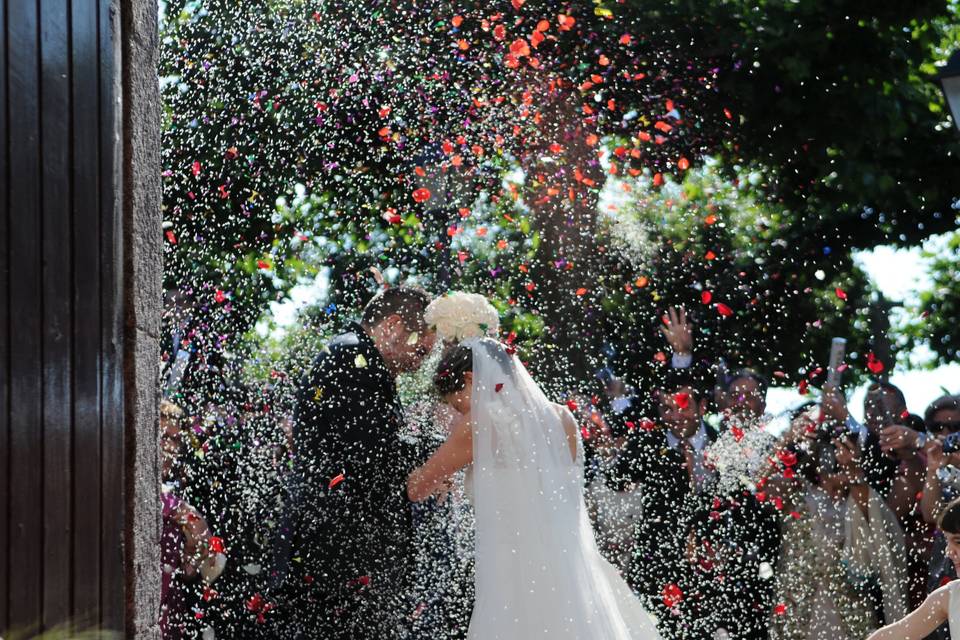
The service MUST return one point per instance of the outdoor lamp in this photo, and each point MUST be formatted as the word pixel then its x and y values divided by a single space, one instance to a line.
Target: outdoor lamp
pixel 949 79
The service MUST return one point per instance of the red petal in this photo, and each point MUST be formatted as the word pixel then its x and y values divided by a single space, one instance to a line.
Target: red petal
pixel 216 544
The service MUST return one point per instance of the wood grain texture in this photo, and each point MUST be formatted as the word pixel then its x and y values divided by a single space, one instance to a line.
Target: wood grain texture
pixel 62 356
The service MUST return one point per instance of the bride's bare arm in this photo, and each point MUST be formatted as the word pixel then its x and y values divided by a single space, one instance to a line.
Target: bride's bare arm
pixel 921 622
pixel 569 426
pixel 453 455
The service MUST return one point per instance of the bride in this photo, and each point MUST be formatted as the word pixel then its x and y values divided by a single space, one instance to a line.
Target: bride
pixel 538 571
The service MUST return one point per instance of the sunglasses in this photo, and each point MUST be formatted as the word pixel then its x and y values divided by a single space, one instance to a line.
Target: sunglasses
pixel 941 427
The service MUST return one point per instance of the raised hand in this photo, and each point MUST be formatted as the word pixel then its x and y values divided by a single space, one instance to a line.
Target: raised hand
pixel 833 406
pixel 677 331
pixel 935 456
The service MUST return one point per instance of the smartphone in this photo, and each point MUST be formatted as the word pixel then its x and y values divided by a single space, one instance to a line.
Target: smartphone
pixel 838 348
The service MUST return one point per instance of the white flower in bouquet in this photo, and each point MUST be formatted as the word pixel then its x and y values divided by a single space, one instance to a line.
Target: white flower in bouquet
pixel 459 315
pixel 741 456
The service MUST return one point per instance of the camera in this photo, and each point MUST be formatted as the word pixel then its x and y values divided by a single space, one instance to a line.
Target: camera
pixel 951 443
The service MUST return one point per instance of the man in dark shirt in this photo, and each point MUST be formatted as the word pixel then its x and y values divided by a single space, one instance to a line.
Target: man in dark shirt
pixel 665 462
pixel 345 548
pixel 699 551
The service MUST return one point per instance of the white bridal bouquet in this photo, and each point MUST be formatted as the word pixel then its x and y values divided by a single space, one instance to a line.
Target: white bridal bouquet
pixel 459 315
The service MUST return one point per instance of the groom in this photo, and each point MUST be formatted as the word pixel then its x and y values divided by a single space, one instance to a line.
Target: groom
pixel 344 553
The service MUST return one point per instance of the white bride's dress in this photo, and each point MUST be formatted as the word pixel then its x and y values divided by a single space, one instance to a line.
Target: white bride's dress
pixel 539 573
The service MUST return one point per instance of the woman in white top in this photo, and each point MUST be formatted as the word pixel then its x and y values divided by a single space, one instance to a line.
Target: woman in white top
pixel 943 605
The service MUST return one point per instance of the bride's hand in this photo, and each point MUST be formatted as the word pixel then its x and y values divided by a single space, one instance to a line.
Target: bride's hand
pixel 443 491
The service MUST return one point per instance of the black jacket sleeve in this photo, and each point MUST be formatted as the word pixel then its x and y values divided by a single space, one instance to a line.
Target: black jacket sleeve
pixel 353 516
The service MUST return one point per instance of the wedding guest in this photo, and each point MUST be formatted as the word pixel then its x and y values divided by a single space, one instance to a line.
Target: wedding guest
pixel 742 393
pixel 612 513
pixel 941 485
pixel 176 345
pixel 743 396
pixel 841 537
pixel 743 517
pixel 747 526
pixel 888 451
pixel 884 406
pixel 624 407
pixel 664 462
pixel 941 606
pixel 188 551
pixel 595 432
pixel 171 441
pixel 942 416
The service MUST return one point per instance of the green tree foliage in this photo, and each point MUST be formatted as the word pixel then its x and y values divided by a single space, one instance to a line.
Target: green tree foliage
pixel 837 100
pixel 934 321
pixel 760 143
pixel 362 103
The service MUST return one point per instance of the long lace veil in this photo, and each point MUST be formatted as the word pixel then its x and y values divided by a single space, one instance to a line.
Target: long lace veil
pixel 519 443
pixel 534 544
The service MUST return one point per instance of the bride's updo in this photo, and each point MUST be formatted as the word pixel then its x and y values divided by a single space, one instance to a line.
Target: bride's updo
pixel 457 361
pixel 459 316
pixel 451 374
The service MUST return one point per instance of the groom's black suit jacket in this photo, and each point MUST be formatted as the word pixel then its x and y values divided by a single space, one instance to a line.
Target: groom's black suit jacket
pixel 346 547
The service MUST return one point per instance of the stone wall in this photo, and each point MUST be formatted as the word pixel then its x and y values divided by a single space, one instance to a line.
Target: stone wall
pixel 143 268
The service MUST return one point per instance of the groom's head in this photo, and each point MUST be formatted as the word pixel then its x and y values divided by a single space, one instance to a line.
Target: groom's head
pixel 394 320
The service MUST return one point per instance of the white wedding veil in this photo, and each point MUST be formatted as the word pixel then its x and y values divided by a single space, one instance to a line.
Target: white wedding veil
pixel 538 571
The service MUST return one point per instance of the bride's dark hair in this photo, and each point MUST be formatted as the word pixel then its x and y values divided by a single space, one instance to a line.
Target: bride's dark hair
pixel 451 373
pixel 949 521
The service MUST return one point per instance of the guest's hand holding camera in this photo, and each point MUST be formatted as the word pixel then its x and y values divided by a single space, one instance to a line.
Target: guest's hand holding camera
pixel 937 458
pixel 897 437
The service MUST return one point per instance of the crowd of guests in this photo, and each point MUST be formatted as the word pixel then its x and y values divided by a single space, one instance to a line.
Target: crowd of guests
pixel 736 524
pixel 727 525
